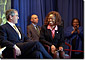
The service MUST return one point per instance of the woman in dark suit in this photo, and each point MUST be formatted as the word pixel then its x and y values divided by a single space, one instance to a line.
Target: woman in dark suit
pixel 52 33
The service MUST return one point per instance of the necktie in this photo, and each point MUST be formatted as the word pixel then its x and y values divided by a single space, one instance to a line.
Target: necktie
pixel 17 31
pixel 37 29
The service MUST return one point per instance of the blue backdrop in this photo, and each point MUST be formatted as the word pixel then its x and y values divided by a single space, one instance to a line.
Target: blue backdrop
pixel 68 10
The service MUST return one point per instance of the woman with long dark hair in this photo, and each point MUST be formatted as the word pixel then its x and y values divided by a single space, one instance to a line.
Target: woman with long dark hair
pixel 52 33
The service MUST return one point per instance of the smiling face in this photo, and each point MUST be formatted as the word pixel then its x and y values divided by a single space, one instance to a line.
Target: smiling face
pixel 51 20
pixel 75 23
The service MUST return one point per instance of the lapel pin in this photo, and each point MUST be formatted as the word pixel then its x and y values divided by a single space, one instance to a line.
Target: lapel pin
pixel 57 32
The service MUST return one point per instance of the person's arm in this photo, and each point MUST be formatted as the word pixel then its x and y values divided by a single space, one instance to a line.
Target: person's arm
pixel 72 31
pixel 75 30
pixel 3 38
pixel 7 43
pixel 29 33
pixel 80 32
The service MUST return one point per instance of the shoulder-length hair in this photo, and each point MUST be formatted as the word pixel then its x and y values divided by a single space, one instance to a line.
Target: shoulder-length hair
pixel 57 16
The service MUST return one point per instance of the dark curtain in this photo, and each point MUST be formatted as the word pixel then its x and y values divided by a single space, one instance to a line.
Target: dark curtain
pixel 68 10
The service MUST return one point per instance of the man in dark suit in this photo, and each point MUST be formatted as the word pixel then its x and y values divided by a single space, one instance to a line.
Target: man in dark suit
pixel 12 37
pixel 33 30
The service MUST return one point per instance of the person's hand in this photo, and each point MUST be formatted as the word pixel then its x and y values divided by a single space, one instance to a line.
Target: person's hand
pixel 76 29
pixel 18 51
pixel 77 26
pixel 61 48
pixel 72 31
pixel 53 48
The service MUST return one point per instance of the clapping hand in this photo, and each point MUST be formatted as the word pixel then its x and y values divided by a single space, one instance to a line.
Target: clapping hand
pixel 75 29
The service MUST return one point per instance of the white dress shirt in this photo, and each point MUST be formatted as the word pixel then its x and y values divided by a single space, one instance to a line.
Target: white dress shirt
pixel 16 29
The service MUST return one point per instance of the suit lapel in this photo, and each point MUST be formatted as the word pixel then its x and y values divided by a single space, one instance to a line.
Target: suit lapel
pixel 12 29
pixel 33 28
pixel 57 33
pixel 50 34
pixel 20 31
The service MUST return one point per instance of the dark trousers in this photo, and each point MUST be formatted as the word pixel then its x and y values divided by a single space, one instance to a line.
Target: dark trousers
pixel 32 50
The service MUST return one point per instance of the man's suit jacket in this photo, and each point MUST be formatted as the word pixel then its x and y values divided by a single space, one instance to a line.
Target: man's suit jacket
pixel 46 36
pixel 32 32
pixel 9 37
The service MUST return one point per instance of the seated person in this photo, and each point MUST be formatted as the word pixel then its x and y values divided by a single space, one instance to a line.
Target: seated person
pixel 74 35
pixel 12 37
pixel 52 33
pixel 33 30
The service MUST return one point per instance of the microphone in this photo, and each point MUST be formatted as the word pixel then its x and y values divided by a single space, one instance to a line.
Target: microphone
pixel 76 28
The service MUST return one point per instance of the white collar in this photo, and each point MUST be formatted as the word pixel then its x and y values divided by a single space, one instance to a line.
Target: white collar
pixel 12 24
pixel 48 27
pixel 34 24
